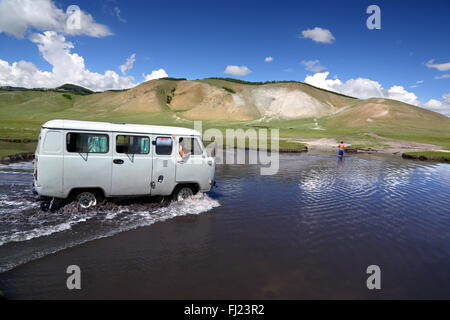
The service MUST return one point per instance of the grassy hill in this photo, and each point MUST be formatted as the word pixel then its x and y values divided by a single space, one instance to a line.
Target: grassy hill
pixel 74 89
pixel 299 110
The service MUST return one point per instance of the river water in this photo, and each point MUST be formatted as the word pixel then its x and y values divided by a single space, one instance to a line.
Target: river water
pixel 309 231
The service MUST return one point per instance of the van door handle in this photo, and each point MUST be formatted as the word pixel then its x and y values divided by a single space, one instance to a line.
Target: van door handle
pixel 118 161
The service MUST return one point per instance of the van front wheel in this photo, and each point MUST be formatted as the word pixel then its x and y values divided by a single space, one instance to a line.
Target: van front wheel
pixel 183 192
pixel 86 200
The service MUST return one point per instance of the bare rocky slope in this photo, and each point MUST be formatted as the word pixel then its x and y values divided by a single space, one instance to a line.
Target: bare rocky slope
pixel 214 99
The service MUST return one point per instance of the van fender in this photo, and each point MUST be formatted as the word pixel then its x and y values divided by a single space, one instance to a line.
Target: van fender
pixel 194 185
pixel 99 193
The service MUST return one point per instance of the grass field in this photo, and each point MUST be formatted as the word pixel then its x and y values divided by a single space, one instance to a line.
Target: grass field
pixel 283 145
pixel 431 155
pixel 10 148
pixel 301 129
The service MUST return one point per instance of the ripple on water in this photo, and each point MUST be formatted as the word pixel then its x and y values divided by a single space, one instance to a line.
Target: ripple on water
pixel 315 209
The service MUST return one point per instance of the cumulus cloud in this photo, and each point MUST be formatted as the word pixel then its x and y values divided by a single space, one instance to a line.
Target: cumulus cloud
pixel 156 74
pixel 365 88
pixel 361 88
pixel 439 106
pixel 268 59
pixel 319 35
pixel 313 65
pixel 17 16
pixel 401 94
pixel 128 65
pixel 67 67
pixel 237 70
pixel 438 66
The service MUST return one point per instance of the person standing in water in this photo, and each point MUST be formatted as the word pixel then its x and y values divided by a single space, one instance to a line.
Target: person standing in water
pixel 341 149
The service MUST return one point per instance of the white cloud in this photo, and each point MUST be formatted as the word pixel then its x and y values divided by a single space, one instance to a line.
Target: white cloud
pixel 128 65
pixel 401 94
pixel 313 65
pixel 320 80
pixel 288 70
pixel 444 76
pixel 417 84
pixel 117 11
pixel 365 88
pixel 361 88
pixel 67 67
pixel 319 35
pixel 237 70
pixel 268 59
pixel 439 106
pixel 156 74
pixel 438 66
pixel 17 16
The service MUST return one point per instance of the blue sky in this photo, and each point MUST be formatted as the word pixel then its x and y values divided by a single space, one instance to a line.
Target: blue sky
pixel 198 39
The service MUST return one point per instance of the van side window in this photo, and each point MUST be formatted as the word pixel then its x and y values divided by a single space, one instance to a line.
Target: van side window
pixel 163 146
pixel 87 142
pixel 192 145
pixel 132 144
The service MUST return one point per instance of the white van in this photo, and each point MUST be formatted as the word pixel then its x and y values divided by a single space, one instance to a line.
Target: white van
pixel 89 161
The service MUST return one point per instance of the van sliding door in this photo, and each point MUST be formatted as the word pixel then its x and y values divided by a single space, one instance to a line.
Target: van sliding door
pixel 131 165
pixel 87 161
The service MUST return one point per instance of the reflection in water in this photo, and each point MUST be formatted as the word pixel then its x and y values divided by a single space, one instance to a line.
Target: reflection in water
pixel 340 163
pixel 309 231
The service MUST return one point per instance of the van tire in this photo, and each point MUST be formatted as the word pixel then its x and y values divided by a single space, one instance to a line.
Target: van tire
pixel 183 192
pixel 87 199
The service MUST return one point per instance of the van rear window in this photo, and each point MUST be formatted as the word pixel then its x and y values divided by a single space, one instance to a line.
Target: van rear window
pixel 132 144
pixel 87 142
pixel 163 146
pixel 52 142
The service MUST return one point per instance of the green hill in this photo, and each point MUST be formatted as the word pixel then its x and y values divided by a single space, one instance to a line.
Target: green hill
pixel 74 88
pixel 299 110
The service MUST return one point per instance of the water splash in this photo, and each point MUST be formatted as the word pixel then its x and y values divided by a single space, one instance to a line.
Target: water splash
pixel 26 229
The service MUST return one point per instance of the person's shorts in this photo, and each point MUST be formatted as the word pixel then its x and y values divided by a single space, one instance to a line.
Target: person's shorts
pixel 341 152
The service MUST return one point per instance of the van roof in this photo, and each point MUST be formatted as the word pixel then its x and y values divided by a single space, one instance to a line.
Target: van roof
pixel 118 127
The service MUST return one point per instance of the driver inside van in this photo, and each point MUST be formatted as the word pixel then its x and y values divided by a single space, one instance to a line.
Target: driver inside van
pixel 181 149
